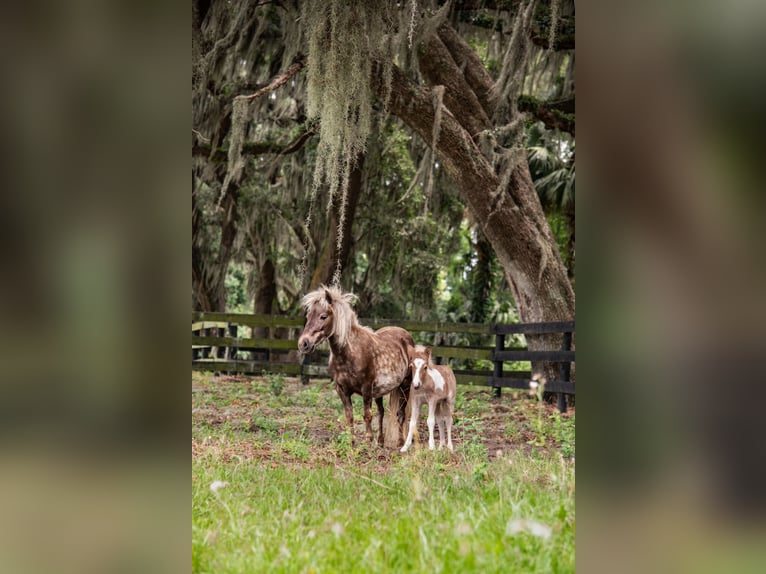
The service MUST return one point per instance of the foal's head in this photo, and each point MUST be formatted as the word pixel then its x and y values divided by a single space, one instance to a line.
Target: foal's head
pixel 328 314
pixel 420 359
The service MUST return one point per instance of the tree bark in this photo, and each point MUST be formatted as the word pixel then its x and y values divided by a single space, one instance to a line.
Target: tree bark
pixel 328 259
pixel 266 294
pixel 481 280
pixel 204 291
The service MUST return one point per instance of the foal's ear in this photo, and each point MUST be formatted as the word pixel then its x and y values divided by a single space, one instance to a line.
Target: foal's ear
pixel 428 354
pixel 328 296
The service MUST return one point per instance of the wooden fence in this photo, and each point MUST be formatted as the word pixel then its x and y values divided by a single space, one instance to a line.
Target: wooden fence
pixel 492 355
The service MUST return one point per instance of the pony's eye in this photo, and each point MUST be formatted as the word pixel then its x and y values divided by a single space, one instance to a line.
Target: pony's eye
pixel 323 316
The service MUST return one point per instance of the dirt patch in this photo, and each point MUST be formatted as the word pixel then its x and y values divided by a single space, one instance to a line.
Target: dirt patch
pixel 277 420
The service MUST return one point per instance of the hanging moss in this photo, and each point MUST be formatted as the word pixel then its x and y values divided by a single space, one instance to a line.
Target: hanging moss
pixel 345 40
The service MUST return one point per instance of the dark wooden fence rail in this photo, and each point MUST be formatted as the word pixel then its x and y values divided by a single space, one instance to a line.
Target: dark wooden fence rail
pixel 224 342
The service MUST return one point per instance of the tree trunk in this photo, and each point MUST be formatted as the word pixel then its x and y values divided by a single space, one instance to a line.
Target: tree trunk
pixel 204 291
pixel 507 209
pixel 328 259
pixel 570 219
pixel 503 201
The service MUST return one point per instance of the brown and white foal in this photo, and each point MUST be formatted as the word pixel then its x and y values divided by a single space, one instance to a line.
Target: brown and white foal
pixel 435 385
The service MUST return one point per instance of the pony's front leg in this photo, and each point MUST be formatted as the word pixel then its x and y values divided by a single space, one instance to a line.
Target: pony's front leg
pixel 367 400
pixel 379 403
pixel 431 424
pixel 413 423
pixel 348 410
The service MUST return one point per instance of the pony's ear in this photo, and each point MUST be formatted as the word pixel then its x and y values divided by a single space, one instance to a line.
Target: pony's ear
pixel 328 297
pixel 428 354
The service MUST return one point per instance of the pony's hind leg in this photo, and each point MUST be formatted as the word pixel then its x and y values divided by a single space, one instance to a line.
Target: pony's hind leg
pixel 448 424
pixel 379 403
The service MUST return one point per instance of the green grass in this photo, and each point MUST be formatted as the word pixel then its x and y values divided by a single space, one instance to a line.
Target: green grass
pixel 299 498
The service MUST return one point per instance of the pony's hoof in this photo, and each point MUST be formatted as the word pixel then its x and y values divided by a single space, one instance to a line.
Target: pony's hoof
pixel 403 449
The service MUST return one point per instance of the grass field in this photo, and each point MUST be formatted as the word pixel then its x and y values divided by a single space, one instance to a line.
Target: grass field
pixel 276 486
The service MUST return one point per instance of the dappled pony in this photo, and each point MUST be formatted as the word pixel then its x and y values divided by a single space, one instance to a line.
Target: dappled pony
pixel 435 385
pixel 362 361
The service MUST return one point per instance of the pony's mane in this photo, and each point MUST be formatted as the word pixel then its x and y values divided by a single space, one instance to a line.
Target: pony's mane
pixel 345 317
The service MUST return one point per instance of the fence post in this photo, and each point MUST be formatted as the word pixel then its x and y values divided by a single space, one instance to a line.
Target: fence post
pixel 564 372
pixel 204 352
pixel 305 360
pixel 233 351
pixel 498 370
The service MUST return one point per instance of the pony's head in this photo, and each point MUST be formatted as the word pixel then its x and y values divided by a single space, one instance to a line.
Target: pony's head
pixel 420 359
pixel 328 314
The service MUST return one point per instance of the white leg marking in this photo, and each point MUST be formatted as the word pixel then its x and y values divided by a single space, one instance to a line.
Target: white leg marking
pixel 410 434
pixel 431 422
pixel 413 423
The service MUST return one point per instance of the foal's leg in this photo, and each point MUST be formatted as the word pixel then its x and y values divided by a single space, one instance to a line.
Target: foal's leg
pixel 367 400
pixel 431 422
pixel 413 423
pixel 348 410
pixel 440 416
pixel 404 397
pixel 379 403
pixel 448 408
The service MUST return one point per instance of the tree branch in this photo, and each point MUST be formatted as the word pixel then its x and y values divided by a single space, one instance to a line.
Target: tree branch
pixel 468 61
pixel 297 65
pixel 201 149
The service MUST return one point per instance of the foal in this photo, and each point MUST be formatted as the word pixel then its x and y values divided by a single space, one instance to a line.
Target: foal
pixel 436 385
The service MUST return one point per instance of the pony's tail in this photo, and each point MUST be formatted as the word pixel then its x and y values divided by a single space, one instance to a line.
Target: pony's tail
pixel 391 426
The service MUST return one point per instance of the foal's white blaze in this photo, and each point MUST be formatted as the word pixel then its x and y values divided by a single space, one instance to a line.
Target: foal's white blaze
pixel 418 365
pixel 437 378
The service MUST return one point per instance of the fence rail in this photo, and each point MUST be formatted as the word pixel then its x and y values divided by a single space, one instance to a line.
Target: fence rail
pixel 226 342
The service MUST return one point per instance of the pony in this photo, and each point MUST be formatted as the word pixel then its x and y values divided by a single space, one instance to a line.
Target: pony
pixel 362 361
pixel 435 385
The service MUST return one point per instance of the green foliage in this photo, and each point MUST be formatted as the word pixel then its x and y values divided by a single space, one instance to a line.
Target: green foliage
pixel 237 300
pixel 276 382
pixel 564 433
pixel 405 237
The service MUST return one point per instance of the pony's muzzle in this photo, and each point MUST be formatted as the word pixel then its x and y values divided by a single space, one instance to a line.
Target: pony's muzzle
pixel 304 345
